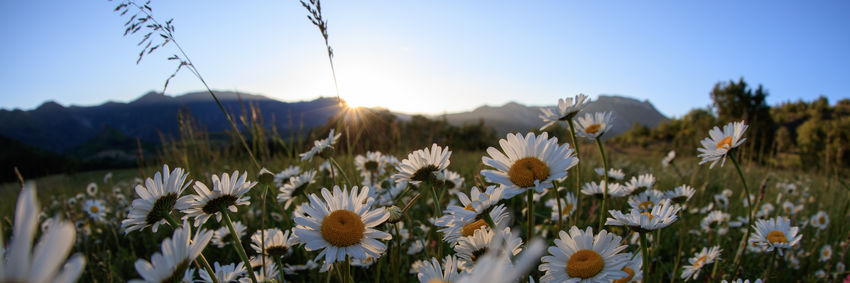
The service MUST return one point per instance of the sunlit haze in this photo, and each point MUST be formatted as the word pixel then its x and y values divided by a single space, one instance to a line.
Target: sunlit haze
pixel 433 57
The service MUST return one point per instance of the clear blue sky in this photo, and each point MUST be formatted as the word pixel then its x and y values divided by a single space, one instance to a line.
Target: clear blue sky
pixel 434 56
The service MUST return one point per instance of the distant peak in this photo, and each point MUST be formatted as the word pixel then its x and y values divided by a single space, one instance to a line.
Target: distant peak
pixel 50 104
pixel 151 97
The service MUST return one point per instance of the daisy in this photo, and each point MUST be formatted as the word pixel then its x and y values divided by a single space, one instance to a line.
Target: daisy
pixel 742 281
pixel 227 273
pixel 633 269
pixel 616 174
pixel 714 222
pixel 269 274
pixel 293 269
pixel 422 165
pixel 222 236
pixel 416 247
pixel 582 257
pixel 370 166
pixel 177 254
pixel 820 220
pixel 597 190
pixel 277 243
pixel 95 210
pixel 459 225
pixel 765 211
pixel 91 189
pixel 715 147
pixel 646 200
pixel 668 159
pixel 20 263
pixel 700 259
pixel 228 192
pixel 470 249
pixel 282 178
pixel 530 162
pixel 593 125
pixel 451 180
pixel 789 208
pixel 296 186
pixel 661 215
pixel 496 266
pixel 341 225
pixel 568 206
pixel 432 271
pixel 722 201
pixel 323 147
pixel 680 194
pixel 566 110
pixel 156 199
pixel 776 233
pixel 826 253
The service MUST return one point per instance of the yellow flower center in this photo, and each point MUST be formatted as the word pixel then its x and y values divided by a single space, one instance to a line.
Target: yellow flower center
pixel 525 171
pixel 700 261
pixel 437 280
pixel 822 220
pixel 469 229
pixel 826 253
pixel 592 129
pixel 648 214
pixel 725 143
pixel 584 264
pixel 94 209
pixel 567 209
pixel 776 236
pixel 469 207
pixel 628 271
pixel 343 228
pixel 646 205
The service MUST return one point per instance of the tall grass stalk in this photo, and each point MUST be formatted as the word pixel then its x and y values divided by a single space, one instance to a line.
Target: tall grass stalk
pixel 576 172
pixel 605 179
pixel 237 244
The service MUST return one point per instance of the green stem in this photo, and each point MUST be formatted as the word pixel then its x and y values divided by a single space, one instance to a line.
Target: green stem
pixel 530 198
pixel 645 257
pixel 560 209
pixel 280 270
pixel 347 269
pixel 605 186
pixel 335 164
pixel 238 244
pixel 490 221
pixel 437 210
pixel 770 266
pixel 576 171
pixel 739 256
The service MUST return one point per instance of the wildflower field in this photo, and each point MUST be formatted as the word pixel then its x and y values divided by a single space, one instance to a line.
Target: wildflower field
pixel 560 203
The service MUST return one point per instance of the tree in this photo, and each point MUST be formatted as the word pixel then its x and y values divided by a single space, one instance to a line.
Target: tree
pixel 735 101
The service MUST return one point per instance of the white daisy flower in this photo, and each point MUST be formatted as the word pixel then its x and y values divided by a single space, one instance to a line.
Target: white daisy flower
pixel 177 254
pixel 593 125
pixel 722 201
pixel 222 237
pixel 416 247
pixel 789 208
pixel 668 159
pixel 323 147
pixel 715 221
pixel 20 263
pixel 582 257
pixel 616 174
pixel 371 166
pixel 530 162
pixel 296 186
pixel 431 271
pixel 765 211
pixel 776 233
pixel 341 225
pixel 826 253
pixel 226 273
pixel 451 180
pixel 459 225
pixel 820 220
pixel 282 177
pixel 739 221
pixel 681 194
pixel 423 165
pixel 568 205
pixel 646 200
pixel 470 249
pixel 634 269
pixel 598 190
pixel 156 199
pixel 741 281
pixel 840 268
pixel 661 215
pixel 715 147
pixel 95 209
pixel 263 274
pixel 293 269
pixel 325 167
pixel 700 259
pixel 277 243
pixel 496 265
pixel 566 110
pixel 820 274
pixel 91 189
pixel 228 192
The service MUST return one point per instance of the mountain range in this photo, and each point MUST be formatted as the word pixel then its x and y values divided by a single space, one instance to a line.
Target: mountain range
pixel 61 129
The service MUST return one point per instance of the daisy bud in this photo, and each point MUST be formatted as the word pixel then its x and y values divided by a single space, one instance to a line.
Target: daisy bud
pixel 265 176
pixel 396 214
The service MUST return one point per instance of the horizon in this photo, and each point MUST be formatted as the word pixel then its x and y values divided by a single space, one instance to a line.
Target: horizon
pixel 418 58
